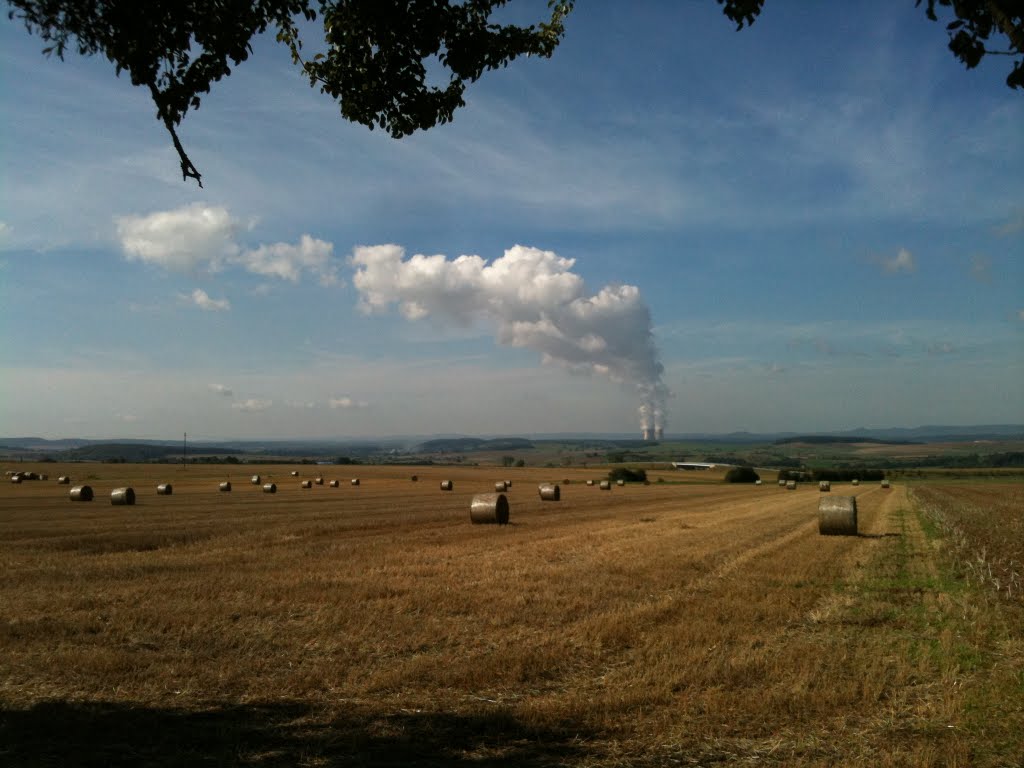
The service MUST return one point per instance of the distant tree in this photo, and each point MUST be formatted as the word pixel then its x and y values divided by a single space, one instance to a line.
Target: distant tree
pixel 507 461
pixel 374 56
pixel 742 475
pixel 520 463
pixel 627 475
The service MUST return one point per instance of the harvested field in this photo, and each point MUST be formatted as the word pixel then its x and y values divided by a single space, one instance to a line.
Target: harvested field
pixel 650 625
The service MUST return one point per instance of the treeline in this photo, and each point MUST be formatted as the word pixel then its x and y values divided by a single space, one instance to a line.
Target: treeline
pixel 838 475
pixel 823 439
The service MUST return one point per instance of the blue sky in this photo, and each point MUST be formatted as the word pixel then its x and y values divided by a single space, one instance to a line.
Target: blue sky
pixel 814 224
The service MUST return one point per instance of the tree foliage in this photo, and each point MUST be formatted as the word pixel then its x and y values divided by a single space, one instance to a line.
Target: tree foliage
pixel 375 62
pixel 742 475
pixel 974 25
pixel 378 55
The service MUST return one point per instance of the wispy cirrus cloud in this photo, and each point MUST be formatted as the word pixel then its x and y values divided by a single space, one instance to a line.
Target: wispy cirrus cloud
pixel 201 238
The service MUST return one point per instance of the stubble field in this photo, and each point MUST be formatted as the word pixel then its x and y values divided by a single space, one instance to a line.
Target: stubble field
pixel 692 624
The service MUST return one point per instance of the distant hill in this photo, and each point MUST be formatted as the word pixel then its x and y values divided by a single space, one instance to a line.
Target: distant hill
pixel 467 444
pixel 825 439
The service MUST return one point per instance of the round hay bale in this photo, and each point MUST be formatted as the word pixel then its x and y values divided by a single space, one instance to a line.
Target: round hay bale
pixel 16 479
pixel 414 478
pixel 225 487
pixel 270 488
pixel 489 508
pixel 63 480
pixel 855 481
pixel 164 489
pixel 355 481
pixel 446 485
pixel 499 486
pixel 255 479
pixel 791 485
pixel 10 472
pixel 837 516
pixel 508 484
pixel 824 486
pixel 590 482
pixel 549 492
pixel 333 484
pixel 782 483
pixel 620 483
pixel 44 477
pixel 885 483
pixel 81 493
pixel 306 483
pixel 295 473
pixel 122 497
pixel 757 482
pixel 606 485
pixel 319 481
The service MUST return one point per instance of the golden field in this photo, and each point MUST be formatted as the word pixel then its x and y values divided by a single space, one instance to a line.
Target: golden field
pixel 691 623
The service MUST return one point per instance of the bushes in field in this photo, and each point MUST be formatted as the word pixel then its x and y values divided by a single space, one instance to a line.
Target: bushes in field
pixel 742 475
pixel 627 475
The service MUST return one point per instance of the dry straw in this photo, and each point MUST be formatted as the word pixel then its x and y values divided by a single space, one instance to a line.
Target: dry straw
pixel 885 483
pixel 837 516
pixel 307 483
pixel 225 487
pixel 824 486
pixel 791 485
pixel 122 497
pixel 355 481
pixel 16 479
pixel 63 480
pixel 489 508
pixel 620 483
pixel 295 473
pixel 446 485
pixel 855 481
pixel 81 493
pixel 270 488
pixel 500 486
pixel 782 483
pixel 164 489
pixel 590 482
pixel 255 480
pixel 606 485
pixel 549 492
pixel 319 481
pixel 333 484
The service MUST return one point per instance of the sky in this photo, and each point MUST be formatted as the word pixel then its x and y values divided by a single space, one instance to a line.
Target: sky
pixel 813 224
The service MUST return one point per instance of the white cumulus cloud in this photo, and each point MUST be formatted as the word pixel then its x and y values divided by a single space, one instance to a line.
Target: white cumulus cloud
pixel 903 261
pixel 202 299
pixel 192 238
pixel 534 300
pixel 346 402
pixel 252 405
pixel 198 238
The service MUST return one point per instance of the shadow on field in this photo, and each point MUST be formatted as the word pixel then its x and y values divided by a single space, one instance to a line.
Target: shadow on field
pixel 272 736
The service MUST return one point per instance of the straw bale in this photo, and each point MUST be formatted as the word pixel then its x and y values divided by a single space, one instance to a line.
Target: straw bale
pixel 549 492
pixel 81 493
pixel 333 484
pixel 837 516
pixel 164 489
pixel 446 485
pixel 270 488
pixel 122 497
pixel 489 508
pixel 225 487
pixel 606 485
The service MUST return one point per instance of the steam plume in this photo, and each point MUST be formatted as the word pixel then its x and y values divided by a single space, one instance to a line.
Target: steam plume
pixel 535 301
